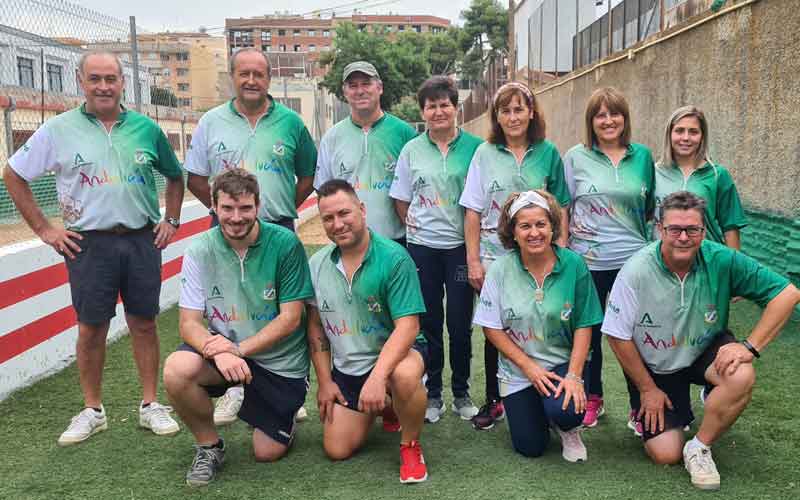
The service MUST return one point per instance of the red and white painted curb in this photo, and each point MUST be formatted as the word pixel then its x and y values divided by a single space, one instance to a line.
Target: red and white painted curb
pixel 38 325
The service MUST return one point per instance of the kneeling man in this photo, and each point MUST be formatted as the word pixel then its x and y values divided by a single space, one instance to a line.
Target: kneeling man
pixel 365 313
pixel 244 284
pixel 667 320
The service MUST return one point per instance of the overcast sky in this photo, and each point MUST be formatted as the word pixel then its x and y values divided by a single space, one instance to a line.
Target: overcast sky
pixel 159 15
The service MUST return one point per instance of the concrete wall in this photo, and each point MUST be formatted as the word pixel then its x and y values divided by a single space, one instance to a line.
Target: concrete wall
pixel 741 67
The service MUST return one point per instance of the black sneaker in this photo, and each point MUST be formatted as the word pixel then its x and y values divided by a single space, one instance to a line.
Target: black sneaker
pixel 207 461
pixel 489 413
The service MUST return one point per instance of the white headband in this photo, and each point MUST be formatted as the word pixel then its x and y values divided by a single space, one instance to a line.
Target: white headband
pixel 527 199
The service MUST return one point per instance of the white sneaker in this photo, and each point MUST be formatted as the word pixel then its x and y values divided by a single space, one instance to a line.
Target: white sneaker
pixel 83 425
pixel 434 411
pixel 227 409
pixel 156 417
pixel 464 408
pixel 701 467
pixel 301 414
pixel 572 447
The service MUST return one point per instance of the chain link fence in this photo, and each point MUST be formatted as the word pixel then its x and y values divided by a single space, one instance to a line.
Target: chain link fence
pixel 41 43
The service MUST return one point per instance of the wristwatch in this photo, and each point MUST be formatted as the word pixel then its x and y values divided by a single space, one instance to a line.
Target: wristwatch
pixel 172 221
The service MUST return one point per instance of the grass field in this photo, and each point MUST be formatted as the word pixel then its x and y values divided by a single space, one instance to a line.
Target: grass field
pixel 757 459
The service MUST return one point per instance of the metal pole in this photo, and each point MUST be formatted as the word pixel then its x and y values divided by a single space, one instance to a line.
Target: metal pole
pixel 610 30
pixel 41 75
pixel 555 63
pixel 541 42
pixel 137 86
pixel 661 15
pixel 577 43
pixel 12 105
pixel 183 136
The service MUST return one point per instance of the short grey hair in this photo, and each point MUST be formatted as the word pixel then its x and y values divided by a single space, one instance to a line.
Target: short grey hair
pixel 683 200
pixel 87 55
pixel 232 62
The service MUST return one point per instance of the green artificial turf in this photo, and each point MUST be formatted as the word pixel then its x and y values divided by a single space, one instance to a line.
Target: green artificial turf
pixel 757 459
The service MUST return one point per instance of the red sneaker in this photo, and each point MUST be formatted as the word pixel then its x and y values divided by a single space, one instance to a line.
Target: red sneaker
pixel 390 421
pixel 412 463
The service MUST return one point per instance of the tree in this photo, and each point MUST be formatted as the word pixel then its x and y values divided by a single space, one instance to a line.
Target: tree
pixel 484 36
pixel 407 109
pixel 404 60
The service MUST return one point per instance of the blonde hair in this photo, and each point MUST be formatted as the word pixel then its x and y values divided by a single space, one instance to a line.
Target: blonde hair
pixel 667 157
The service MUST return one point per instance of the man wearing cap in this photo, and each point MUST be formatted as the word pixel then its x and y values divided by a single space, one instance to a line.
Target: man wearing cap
pixel 103 157
pixel 254 132
pixel 363 149
pixel 667 322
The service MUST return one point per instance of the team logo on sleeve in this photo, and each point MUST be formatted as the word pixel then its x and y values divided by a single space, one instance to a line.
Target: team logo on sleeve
pixel 216 293
pixel 710 316
pixel 373 305
pixel 279 148
pixel 647 321
pixel 140 157
pixel 344 170
pixel 495 187
pixel 79 162
pixel 269 291
pixel 325 307
pixel 419 184
pixel 566 312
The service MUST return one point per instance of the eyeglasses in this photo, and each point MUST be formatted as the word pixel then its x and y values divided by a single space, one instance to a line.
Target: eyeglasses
pixel 691 231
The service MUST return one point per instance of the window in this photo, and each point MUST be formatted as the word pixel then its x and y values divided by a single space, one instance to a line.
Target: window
pixel 25 67
pixel 182 56
pixel 282 47
pixel 296 33
pixel 165 72
pixel 297 47
pixel 266 48
pixel 165 57
pixel 281 32
pixel 54 79
pixel 326 33
pixel 182 71
pixel 183 87
pixel 312 48
pixel 417 28
pixel 436 29
pixel 312 33
pixel 401 27
pixel 185 102
pixel 266 36
pixel 362 27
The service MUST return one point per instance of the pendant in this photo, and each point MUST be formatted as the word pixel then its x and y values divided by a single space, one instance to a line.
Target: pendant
pixel 538 295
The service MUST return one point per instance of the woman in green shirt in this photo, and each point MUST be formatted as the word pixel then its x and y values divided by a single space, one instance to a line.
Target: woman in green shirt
pixel 685 166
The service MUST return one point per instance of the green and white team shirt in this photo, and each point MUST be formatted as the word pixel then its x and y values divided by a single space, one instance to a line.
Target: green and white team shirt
pixel 540 318
pixel 277 151
pixel 673 321
pixel 240 296
pixel 366 158
pixel 494 174
pixel 715 185
pixel 103 178
pixel 610 205
pixel 358 317
pixel 432 183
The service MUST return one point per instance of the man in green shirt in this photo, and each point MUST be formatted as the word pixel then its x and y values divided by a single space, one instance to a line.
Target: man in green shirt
pixel 103 156
pixel 244 283
pixel 667 320
pixel 363 149
pixel 254 132
pixel 365 320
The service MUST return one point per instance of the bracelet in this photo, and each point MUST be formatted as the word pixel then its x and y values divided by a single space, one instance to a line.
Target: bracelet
pixel 750 348
pixel 238 351
pixel 572 376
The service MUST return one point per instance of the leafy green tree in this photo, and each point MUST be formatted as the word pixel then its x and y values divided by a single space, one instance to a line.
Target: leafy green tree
pixel 484 36
pixel 444 51
pixel 407 109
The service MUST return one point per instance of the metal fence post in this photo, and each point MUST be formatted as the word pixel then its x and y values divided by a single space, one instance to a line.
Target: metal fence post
pixel 184 146
pixel 137 86
pixel 12 105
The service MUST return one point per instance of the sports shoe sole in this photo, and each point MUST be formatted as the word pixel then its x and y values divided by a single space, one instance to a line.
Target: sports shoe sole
pixel 599 414
pixel 220 421
pixel 169 432
pixel 632 426
pixel 71 441
pixel 461 415
pixel 413 480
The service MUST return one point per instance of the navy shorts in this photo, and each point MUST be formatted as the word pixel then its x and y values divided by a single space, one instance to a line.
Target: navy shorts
pixel 677 386
pixel 111 265
pixel 270 400
pixel 351 385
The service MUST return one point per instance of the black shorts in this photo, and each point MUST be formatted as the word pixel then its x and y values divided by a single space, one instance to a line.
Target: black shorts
pixel 110 265
pixel 677 386
pixel 270 400
pixel 351 385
